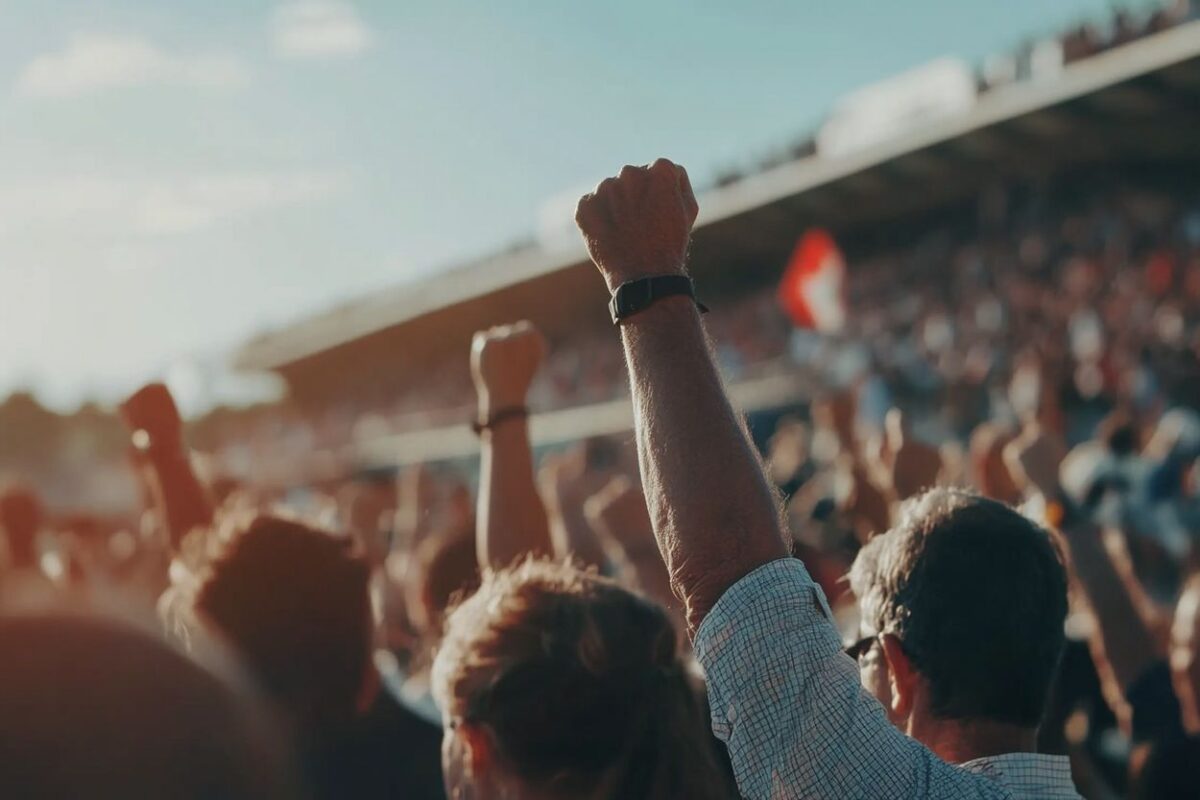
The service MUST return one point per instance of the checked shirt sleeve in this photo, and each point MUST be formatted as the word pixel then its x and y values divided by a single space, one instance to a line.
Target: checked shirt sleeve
pixel 788 704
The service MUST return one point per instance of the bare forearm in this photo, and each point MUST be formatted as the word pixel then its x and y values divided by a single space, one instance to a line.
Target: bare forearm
pixel 573 535
pixel 153 419
pixel 182 501
pixel 1124 636
pixel 715 517
pixel 511 518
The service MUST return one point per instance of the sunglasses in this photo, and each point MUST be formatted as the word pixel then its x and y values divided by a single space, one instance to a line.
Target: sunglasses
pixel 863 646
pixel 860 648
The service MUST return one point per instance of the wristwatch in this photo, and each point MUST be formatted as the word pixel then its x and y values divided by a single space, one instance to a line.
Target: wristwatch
pixel 634 296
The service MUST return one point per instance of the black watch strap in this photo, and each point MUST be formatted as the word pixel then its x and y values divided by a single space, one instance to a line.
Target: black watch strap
pixel 635 296
pixel 503 415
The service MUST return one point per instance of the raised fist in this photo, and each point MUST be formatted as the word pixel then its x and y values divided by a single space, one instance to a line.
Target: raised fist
pixel 568 480
pixel 619 512
pixel 504 361
pixel 915 465
pixel 837 413
pixel 639 223
pixel 152 409
pixel 1033 459
pixel 867 504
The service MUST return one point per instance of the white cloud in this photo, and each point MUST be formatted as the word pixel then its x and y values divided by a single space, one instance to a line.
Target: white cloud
pixel 112 207
pixel 200 202
pixel 92 62
pixel 318 29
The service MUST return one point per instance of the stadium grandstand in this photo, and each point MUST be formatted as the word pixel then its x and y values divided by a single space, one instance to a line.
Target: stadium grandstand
pixel 1063 119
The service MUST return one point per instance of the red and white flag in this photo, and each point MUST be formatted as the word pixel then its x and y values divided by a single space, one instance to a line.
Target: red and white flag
pixel 811 291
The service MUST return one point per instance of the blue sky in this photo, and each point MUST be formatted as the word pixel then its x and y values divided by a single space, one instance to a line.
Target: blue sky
pixel 175 177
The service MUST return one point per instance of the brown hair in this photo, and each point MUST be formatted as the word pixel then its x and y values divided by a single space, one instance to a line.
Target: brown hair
pixel 293 601
pixel 581 685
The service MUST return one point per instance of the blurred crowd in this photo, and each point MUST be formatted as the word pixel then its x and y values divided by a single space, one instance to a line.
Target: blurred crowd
pixel 1086 293
pixel 519 631
pixel 1040 351
pixel 1034 60
pixel 990 494
pixel 1126 26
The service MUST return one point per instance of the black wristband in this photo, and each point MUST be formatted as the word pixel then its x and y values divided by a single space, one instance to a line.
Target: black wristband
pixel 634 296
pixel 503 415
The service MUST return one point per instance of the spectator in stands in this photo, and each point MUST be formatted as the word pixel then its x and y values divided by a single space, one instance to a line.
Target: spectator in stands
pixel 182 502
pixel 293 602
pixel 989 472
pixel 618 515
pixel 513 520
pixel 1160 687
pixel 514 527
pixel 1125 28
pixel 556 683
pixel 960 660
pixel 1185 654
pixel 20 523
pixel 784 698
pixel 431 561
pixel 444 570
pixel 94 707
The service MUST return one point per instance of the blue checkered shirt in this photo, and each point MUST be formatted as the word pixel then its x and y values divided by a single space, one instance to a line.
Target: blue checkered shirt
pixel 788 704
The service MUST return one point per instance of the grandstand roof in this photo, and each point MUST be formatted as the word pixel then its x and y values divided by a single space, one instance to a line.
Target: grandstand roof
pixel 1137 102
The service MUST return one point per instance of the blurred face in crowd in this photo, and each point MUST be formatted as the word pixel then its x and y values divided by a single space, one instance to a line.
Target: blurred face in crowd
pixel 1185 654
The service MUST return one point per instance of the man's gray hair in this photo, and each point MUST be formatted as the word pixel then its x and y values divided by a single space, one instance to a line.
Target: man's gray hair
pixel 977 595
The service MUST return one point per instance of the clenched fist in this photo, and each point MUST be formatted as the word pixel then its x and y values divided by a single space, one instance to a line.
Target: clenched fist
pixel 504 361
pixel 638 224
pixel 915 465
pixel 152 409
pixel 1034 459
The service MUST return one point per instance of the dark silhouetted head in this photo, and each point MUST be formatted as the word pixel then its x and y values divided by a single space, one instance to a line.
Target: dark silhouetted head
pixel 96 708
pixel 292 600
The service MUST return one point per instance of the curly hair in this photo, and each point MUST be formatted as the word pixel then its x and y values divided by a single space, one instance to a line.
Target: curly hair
pixel 293 602
pixel 581 684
